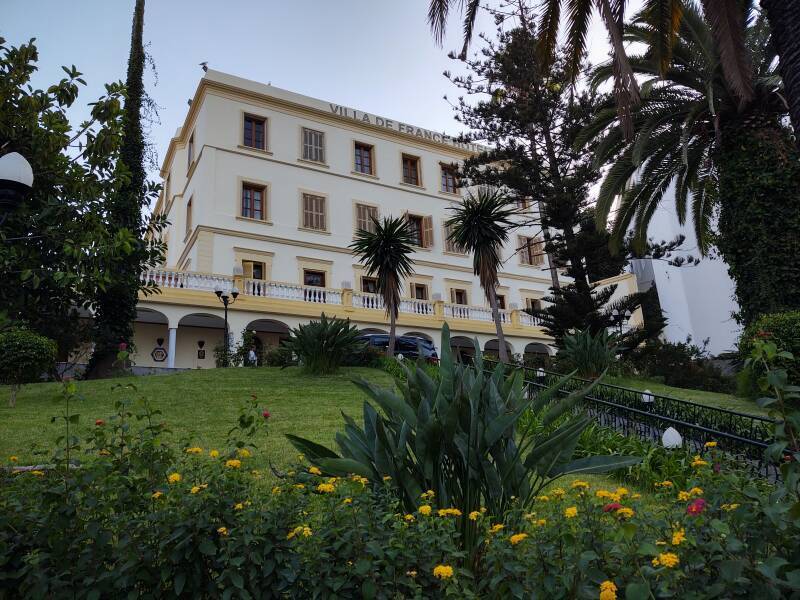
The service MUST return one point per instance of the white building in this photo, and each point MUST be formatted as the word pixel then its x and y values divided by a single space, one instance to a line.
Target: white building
pixel 264 190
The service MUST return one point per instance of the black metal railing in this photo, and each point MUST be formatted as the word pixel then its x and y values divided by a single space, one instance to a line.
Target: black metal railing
pixel 647 416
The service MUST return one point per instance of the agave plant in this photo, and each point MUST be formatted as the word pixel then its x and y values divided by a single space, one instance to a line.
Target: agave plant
pixel 322 346
pixel 458 437
pixel 589 353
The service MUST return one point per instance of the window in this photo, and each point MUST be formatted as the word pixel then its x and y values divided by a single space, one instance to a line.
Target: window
pixel 410 169
pixel 253 206
pixel 253 269
pixel 419 291
pixel 255 132
pixel 449 179
pixel 501 301
pixel 313 145
pixel 314 278
pixel 190 152
pixel 421 229
pixel 314 212
pixel 167 190
pixel 363 159
pixel 531 251
pixel 365 217
pixel 189 217
pixel 450 246
pixel 523 204
pixel 458 296
pixel 369 285
pixel 533 304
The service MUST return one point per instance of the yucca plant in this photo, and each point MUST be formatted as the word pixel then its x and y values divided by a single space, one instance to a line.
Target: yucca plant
pixel 322 346
pixel 458 437
pixel 589 354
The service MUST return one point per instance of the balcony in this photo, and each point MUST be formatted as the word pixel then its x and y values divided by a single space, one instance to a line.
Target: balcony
pixel 312 299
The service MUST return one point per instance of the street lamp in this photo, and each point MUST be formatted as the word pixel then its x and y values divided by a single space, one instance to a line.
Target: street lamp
pixel 16 181
pixel 226 300
pixel 619 318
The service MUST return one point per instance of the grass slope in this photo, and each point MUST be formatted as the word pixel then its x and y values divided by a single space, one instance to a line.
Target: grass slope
pixel 200 405
pixel 726 401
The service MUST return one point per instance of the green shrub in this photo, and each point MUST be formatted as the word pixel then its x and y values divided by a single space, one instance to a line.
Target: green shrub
pixel 323 346
pixel 394 367
pixel 587 353
pixel 457 437
pixel 783 329
pixel 279 356
pixel 25 357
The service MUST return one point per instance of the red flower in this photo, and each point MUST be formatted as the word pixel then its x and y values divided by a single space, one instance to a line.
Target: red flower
pixel 612 506
pixel 696 506
pixel 99 422
pixel 123 346
pixel 266 414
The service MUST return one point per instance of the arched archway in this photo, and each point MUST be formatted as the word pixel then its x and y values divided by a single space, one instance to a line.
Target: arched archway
pixel 151 338
pixel 418 334
pixel 463 348
pixel 369 330
pixel 536 354
pixel 269 332
pixel 492 348
pixel 198 336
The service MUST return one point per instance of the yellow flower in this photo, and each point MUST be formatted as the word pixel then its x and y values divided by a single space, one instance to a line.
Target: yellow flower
pixel 428 495
pixel 425 509
pixel 710 445
pixel 571 512
pixel 603 494
pixel 409 518
pixel 299 486
pixel 729 507
pixel 678 537
pixel 625 512
pixel 243 453
pixel 387 477
pixel 666 559
pixel 223 531
pixel 37 473
pixel 665 484
pixel 580 484
pixel 449 512
pixel 496 527
pixel 473 516
pixel 195 489
pixel 608 591
pixel 333 479
pixel 174 477
pixel 443 571
pixel 661 543
pixel 558 492
pixel 683 496
pixel 696 491
pixel 314 471
pixel 347 501
pixel 540 522
pixel 104 452
pixel 622 492
pixel 276 490
pixel 326 488
pixel 13 458
pixel 635 496
pixel 238 506
pixel 157 494
pixel 517 538
pixel 194 450
pixel 256 473
pixel 233 463
pixel 698 462
pixel 542 498
pixel 303 530
pixel 411 573
pixel 214 453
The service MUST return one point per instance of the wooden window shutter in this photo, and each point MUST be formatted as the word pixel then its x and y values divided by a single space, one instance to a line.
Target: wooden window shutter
pixel 452 296
pixel 247 268
pixel 427 232
pixel 537 252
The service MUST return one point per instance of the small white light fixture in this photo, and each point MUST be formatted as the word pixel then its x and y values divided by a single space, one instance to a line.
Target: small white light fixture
pixel 647 397
pixel 400 357
pixel 671 438
pixel 16 181
pixel 540 373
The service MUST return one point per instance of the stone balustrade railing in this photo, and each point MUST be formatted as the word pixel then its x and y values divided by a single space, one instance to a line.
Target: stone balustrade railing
pixel 166 278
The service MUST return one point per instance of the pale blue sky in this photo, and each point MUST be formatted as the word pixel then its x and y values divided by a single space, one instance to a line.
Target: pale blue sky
pixel 374 55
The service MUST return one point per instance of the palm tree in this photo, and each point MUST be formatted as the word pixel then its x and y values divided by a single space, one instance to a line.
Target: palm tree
pixel 480 225
pixel 731 161
pixel 784 20
pixel 386 254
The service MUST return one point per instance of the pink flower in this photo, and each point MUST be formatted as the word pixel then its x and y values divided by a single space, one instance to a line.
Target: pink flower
pixel 266 414
pixel 99 422
pixel 696 506
pixel 123 346
pixel 612 506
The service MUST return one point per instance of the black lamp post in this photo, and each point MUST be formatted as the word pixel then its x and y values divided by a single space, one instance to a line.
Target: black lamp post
pixel 226 300
pixel 16 181
pixel 620 318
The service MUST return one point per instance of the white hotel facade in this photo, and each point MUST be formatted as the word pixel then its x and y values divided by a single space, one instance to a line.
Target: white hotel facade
pixel 264 190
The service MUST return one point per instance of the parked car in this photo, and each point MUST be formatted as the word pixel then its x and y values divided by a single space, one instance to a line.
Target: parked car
pixel 409 346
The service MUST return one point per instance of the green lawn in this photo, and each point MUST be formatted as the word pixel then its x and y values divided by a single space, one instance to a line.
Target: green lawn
pixel 202 404
pixel 726 401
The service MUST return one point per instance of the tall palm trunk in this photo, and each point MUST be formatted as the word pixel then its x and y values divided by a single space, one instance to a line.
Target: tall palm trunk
pixel 784 20
pixel 501 338
pixel 392 334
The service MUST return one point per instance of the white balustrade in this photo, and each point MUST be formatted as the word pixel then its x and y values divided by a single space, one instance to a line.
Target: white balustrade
pixel 416 307
pixel 528 320
pixel 290 291
pixel 365 300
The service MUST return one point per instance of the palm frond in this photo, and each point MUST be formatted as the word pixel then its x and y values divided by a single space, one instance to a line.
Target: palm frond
pixel 665 15
pixel 548 30
pixel 728 28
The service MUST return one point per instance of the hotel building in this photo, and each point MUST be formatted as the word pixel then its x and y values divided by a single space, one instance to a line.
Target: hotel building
pixel 264 190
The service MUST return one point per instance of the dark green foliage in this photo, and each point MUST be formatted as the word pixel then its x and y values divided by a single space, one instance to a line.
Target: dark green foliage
pixel 325 345
pixel 590 354
pixel 56 247
pixel 783 329
pixel 115 308
pixel 457 436
pixel 679 364
pixel 25 357
pixel 386 255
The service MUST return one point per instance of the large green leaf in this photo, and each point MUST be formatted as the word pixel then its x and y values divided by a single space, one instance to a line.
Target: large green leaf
pixel 598 464
pixel 311 450
pixel 346 466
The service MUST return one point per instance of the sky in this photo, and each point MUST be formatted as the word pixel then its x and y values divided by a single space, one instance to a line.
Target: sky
pixel 373 55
